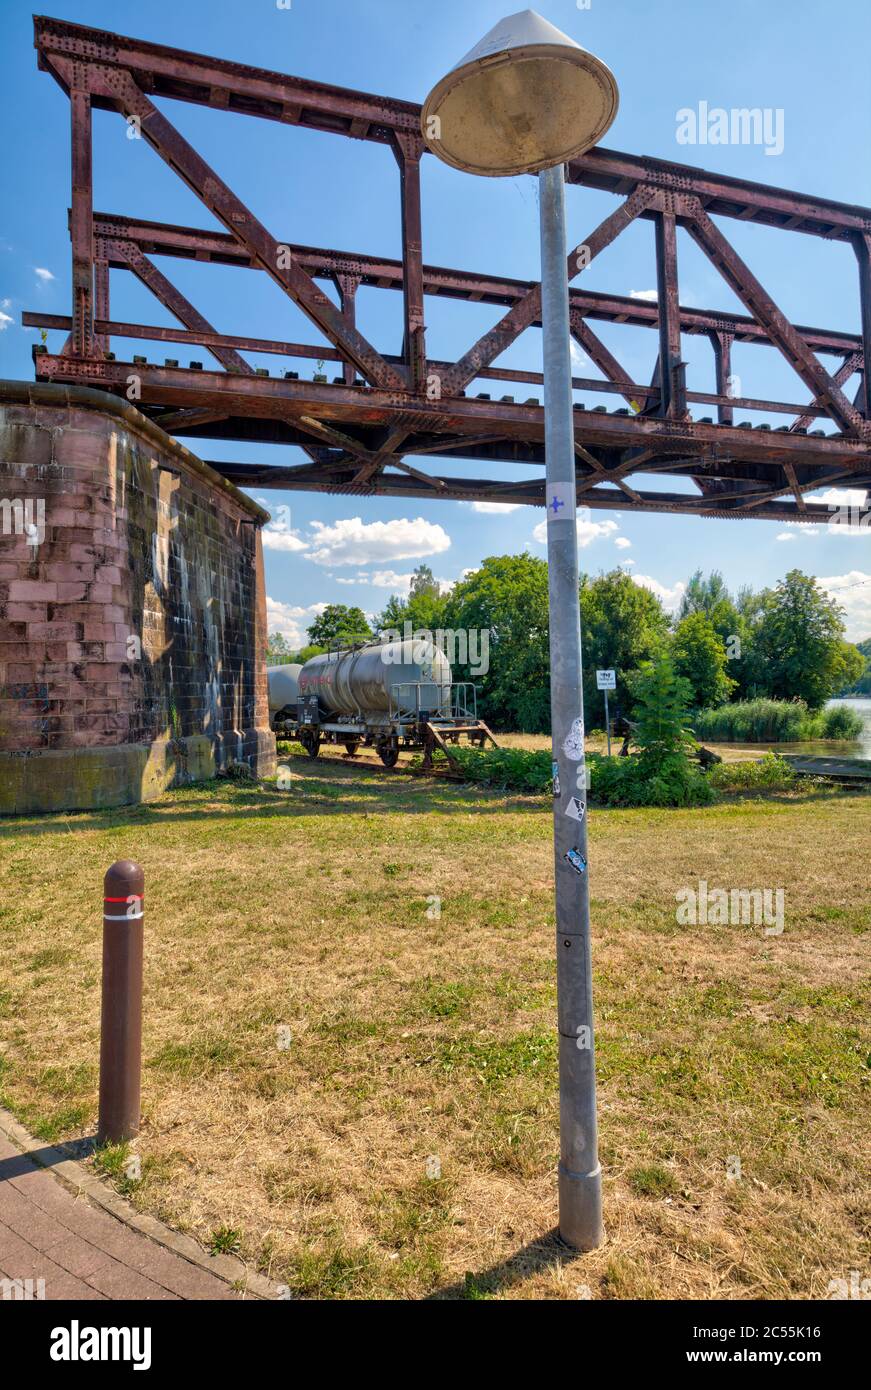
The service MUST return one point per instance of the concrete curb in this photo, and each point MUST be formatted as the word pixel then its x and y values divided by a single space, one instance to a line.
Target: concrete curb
pixel 74 1176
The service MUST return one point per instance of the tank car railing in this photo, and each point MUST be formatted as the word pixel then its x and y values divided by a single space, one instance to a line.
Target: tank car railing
pixel 407 702
pixel 458 702
pixel 464 701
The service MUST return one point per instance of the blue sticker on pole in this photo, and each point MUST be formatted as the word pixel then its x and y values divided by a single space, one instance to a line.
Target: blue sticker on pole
pixel 555 769
pixel 577 860
pixel 560 501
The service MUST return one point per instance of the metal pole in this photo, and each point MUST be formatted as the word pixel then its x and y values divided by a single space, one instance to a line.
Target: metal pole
pixel 121 1015
pixel 607 724
pixel 580 1177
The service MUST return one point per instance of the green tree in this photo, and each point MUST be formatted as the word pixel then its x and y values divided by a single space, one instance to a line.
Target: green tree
pixel 306 653
pixel 508 597
pixel 338 623
pixel 855 666
pixel 799 643
pixel 278 649
pixel 701 595
pixel 622 624
pixel 662 704
pixel 424 607
pixel 699 655
pixel 862 683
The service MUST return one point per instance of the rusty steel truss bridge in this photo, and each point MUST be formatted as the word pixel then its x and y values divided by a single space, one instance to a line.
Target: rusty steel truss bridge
pixel 359 429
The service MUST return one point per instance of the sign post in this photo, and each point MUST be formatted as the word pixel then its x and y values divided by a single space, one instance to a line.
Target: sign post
pixel 607 680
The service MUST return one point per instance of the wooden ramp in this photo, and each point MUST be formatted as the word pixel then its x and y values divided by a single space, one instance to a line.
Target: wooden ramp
pixel 836 769
pixel 442 737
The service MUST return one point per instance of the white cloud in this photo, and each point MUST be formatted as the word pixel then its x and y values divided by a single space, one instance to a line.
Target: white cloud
pixel 809 530
pixel 650 295
pixel 839 497
pixel 44 275
pixel 669 598
pixel 352 541
pixel 389 579
pixel 622 542
pixel 291 620
pixel 5 320
pixel 280 535
pixel 853 592
pixel 588 531
pixel 495 507
pixel 579 357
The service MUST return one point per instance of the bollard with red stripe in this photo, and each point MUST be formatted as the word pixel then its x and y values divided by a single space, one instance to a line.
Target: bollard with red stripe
pixel 121 1014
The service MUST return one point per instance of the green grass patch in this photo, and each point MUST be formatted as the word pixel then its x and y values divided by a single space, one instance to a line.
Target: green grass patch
pixel 496 1061
pixel 652 1181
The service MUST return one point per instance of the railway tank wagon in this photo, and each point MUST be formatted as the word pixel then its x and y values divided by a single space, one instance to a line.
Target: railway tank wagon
pixel 390 695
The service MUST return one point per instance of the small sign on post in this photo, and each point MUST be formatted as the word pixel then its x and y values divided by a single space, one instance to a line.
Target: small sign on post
pixel 607 680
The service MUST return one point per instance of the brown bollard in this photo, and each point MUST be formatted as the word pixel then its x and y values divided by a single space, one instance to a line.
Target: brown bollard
pixel 121 1016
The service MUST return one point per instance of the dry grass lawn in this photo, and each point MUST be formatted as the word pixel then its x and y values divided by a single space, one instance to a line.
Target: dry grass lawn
pixel 313 1037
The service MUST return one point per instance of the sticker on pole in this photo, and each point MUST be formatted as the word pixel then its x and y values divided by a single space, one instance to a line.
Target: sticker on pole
pixel 606 680
pixel 560 501
pixel 576 808
pixel 573 744
pixel 555 769
pixel 577 860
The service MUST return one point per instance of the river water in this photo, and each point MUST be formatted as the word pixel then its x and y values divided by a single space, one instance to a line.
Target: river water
pixel 827 748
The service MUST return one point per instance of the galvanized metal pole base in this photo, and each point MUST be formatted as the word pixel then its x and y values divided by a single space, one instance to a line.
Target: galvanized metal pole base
pixel 580 1209
pixel 580 1179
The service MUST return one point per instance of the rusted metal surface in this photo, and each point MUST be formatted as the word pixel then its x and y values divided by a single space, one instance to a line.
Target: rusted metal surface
pixel 360 429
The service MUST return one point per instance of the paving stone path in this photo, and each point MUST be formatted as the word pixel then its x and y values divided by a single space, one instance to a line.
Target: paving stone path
pixel 50 1233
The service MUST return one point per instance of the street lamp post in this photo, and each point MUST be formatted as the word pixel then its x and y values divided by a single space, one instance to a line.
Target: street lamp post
pixel 526 100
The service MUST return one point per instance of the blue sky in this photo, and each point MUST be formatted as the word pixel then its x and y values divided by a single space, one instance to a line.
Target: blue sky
pixel 325 190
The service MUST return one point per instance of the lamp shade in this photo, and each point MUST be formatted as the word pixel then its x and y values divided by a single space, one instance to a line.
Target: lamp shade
pixel 527 97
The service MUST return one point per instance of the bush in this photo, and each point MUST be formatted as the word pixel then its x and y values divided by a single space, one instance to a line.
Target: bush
pixel 642 780
pixel 771 772
pixel 635 781
pixel 754 721
pixel 775 721
pixel 840 722
pixel 236 771
pixel 515 769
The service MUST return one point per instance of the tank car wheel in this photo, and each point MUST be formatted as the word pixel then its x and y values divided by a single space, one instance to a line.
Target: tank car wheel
pixel 388 753
pixel 311 742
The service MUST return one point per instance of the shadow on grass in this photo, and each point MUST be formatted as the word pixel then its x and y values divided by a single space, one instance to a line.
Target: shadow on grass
pixel 546 1253
pixel 351 788
pixel 338 790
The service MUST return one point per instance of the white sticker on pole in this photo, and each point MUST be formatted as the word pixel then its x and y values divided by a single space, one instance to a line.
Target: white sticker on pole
pixel 560 499
pixel 606 680
pixel 573 743
pixel 576 808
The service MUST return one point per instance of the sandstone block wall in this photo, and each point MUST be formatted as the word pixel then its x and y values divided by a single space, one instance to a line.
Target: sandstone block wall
pixel 132 608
